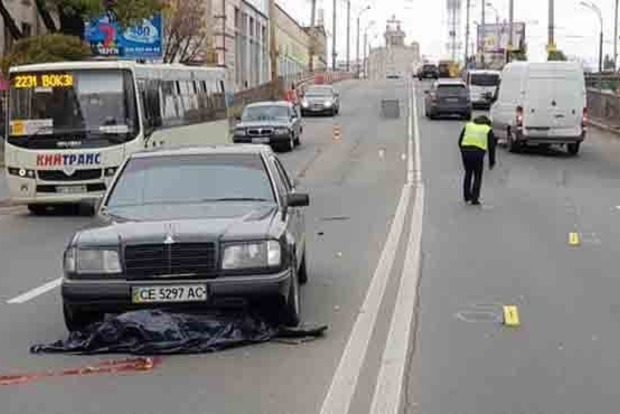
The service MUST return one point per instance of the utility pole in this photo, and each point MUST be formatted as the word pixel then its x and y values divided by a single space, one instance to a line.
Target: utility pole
pixel 483 30
pixel 364 55
pixel 273 48
pixel 334 53
pixel 467 32
pixel 348 35
pixel 312 35
pixel 511 22
pixel 357 47
pixel 550 36
pixel 616 36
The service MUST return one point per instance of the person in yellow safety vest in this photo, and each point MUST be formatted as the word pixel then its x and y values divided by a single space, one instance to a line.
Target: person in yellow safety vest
pixel 475 141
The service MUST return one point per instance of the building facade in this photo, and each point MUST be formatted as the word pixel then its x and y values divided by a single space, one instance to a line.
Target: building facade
pixel 27 18
pixel 395 57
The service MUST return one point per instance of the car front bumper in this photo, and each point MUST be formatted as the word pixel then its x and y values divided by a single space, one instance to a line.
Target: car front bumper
pixel 316 109
pixel 268 140
pixel 450 109
pixel 115 295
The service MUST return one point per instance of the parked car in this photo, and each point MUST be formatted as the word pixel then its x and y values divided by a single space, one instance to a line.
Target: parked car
pixel 448 97
pixel 275 123
pixel 320 99
pixel 186 228
pixel 482 85
pixel 428 71
pixel 541 104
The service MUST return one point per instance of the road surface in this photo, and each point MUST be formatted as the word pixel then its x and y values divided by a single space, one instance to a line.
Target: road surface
pixel 363 227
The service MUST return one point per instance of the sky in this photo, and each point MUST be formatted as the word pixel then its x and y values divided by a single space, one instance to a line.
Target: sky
pixel 425 21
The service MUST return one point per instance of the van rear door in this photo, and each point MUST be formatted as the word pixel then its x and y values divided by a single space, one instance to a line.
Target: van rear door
pixel 553 104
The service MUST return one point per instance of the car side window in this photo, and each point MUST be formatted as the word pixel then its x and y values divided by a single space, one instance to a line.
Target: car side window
pixel 283 175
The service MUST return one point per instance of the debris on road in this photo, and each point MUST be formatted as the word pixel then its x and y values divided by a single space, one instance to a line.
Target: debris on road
pixel 142 364
pixel 156 332
pixel 573 239
pixel 511 315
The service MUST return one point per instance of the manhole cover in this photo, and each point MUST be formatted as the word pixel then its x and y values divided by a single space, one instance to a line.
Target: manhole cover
pixel 390 108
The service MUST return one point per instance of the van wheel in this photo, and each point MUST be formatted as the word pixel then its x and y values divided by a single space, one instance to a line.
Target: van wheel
pixel 573 149
pixel 38 209
pixel 513 145
pixel 291 311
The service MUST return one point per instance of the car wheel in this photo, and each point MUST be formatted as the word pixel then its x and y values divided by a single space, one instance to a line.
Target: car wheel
pixel 297 139
pixel 573 149
pixel 513 145
pixel 77 319
pixel 292 307
pixel 432 116
pixel 290 144
pixel 303 270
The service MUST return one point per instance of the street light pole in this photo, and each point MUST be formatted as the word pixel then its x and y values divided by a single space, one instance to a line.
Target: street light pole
pixel 357 46
pixel 334 54
pixel 482 36
pixel 616 36
pixel 511 21
pixel 467 32
pixel 599 14
pixel 348 34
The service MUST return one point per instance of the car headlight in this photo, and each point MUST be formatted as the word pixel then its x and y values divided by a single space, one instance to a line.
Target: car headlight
pixel 328 103
pixel 110 171
pixel 252 255
pixel 240 132
pixel 281 131
pixel 305 103
pixel 92 261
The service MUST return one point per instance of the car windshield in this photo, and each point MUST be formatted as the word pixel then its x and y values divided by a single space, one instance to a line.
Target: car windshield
pixel 484 79
pixel 265 112
pixel 322 92
pixel 85 104
pixel 203 178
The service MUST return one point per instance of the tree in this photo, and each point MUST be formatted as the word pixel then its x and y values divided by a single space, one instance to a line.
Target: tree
pixel 185 31
pixel 556 55
pixel 519 54
pixel 47 48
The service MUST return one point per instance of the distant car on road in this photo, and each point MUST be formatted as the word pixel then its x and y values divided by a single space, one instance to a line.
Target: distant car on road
pixel 320 99
pixel 186 228
pixel 541 104
pixel 448 97
pixel 275 123
pixel 428 71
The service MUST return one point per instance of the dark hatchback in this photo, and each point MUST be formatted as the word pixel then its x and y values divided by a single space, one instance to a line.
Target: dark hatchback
pixel 448 97
pixel 428 71
pixel 275 123
pixel 190 228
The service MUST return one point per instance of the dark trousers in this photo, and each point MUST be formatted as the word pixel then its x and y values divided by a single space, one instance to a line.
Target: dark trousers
pixel 473 162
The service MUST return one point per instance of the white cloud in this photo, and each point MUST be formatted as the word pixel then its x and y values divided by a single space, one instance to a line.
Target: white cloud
pixel 425 21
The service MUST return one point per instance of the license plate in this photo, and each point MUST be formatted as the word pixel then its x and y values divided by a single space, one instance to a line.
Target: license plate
pixel 264 140
pixel 71 189
pixel 169 294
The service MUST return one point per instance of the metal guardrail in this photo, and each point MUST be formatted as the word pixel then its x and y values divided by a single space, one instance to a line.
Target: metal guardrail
pixel 604 107
pixel 603 81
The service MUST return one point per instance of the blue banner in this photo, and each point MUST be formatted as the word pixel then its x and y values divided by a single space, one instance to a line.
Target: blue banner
pixel 107 38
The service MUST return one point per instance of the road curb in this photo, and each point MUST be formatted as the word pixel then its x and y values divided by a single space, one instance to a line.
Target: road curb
pixel 603 127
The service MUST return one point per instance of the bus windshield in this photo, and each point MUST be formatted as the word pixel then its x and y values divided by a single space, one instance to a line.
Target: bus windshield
pixel 484 79
pixel 85 107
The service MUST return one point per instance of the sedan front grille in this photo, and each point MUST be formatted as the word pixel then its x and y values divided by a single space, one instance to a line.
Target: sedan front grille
pixel 260 132
pixel 78 175
pixel 182 260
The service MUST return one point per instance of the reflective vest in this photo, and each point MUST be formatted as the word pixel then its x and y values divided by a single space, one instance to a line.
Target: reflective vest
pixel 476 135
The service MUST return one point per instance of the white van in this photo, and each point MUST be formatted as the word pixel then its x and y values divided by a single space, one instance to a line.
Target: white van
pixel 541 104
pixel 482 85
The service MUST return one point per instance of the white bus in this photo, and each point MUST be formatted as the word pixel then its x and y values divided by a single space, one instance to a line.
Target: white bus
pixel 71 124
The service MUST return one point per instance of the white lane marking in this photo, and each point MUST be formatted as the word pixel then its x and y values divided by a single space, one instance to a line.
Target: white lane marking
pixel 344 382
pixel 38 291
pixel 389 387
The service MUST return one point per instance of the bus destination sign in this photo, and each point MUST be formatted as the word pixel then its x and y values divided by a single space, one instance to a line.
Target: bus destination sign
pixel 42 80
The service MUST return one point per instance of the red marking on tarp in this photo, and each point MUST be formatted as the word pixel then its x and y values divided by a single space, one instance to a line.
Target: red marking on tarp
pixel 114 366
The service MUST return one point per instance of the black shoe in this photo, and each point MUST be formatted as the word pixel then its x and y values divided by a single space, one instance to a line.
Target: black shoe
pixel 475 203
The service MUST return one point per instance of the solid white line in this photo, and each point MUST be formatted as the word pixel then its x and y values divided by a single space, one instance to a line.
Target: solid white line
pixel 416 138
pixel 344 382
pixel 38 291
pixel 389 387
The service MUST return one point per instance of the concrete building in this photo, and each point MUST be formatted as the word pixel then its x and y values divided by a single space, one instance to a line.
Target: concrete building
pixel 395 57
pixel 27 18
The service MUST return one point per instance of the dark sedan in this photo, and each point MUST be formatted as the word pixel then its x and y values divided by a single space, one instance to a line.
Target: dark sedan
pixel 428 71
pixel 273 123
pixel 187 228
pixel 448 97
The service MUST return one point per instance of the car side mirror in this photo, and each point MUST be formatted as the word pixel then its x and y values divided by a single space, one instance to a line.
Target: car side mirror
pixel 298 200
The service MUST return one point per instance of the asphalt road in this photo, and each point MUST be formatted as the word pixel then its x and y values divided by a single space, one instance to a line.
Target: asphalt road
pixel 565 356
pixel 355 184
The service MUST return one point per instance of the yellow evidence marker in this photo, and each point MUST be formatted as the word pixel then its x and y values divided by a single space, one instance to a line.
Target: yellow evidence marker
pixel 511 316
pixel 573 239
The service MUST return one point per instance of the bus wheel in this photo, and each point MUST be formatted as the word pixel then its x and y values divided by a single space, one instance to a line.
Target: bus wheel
pixel 37 209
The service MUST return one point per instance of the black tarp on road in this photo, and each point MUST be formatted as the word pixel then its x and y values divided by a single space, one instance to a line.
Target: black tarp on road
pixel 157 332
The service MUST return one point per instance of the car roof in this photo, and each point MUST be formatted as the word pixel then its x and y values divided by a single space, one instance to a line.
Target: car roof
pixel 268 103
pixel 230 149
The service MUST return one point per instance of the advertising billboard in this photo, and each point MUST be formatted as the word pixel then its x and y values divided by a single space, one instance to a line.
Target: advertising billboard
pixel 495 37
pixel 107 38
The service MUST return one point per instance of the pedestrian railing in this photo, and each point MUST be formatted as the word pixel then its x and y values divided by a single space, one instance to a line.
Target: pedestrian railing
pixel 604 107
